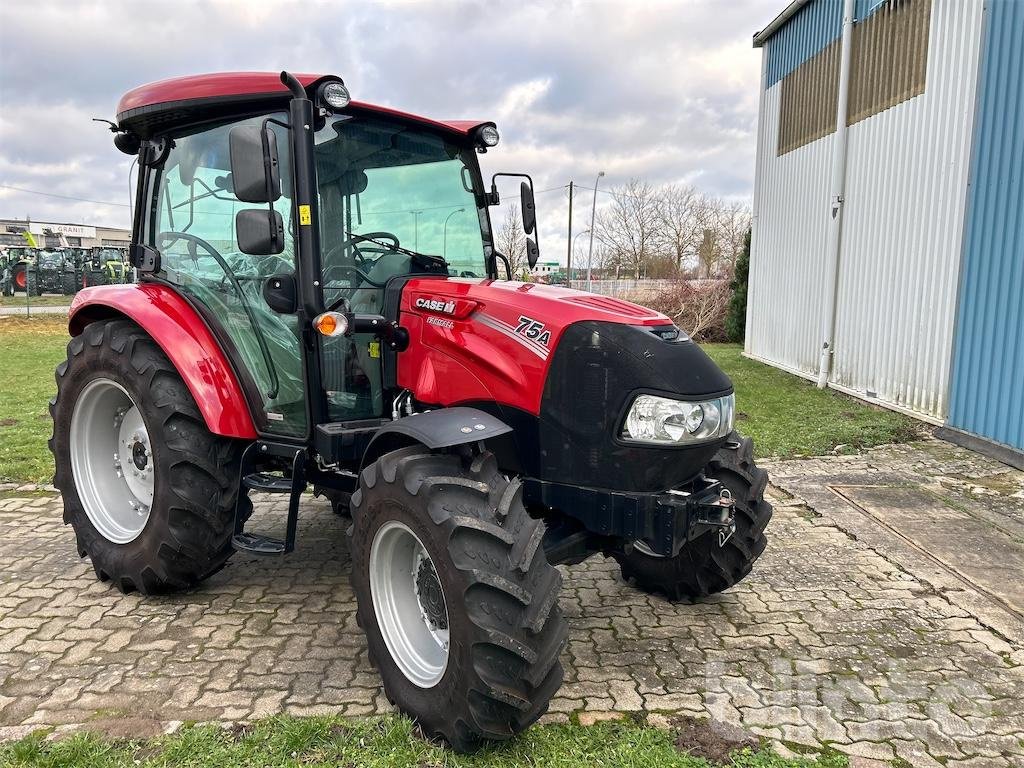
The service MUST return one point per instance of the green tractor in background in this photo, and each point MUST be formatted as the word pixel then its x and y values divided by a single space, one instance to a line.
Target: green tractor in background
pixel 17 272
pixel 105 266
pixel 62 271
pixel 55 271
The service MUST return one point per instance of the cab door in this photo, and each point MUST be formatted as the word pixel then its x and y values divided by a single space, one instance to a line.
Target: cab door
pixel 194 230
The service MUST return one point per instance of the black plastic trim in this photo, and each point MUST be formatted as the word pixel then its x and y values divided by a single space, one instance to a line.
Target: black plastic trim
pixel 447 427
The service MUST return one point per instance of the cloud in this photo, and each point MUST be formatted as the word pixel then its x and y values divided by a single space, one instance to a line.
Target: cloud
pixel 662 90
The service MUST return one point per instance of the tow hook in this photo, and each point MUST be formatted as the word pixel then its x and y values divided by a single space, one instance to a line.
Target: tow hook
pixel 720 513
pixel 725 533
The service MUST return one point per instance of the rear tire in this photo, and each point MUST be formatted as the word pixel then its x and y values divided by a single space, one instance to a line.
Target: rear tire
pixel 186 534
pixel 502 624
pixel 19 278
pixel 32 283
pixel 702 567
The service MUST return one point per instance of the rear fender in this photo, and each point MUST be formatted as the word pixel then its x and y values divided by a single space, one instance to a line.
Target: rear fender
pixel 183 336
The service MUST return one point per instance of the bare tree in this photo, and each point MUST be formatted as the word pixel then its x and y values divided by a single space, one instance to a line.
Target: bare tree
pixel 682 216
pixel 628 227
pixel 732 222
pixel 697 306
pixel 511 241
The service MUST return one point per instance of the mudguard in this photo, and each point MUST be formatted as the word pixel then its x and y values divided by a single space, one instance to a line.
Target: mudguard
pixel 443 428
pixel 183 336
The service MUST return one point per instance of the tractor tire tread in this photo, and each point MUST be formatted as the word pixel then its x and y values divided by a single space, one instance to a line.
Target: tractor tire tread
pixel 508 603
pixel 188 536
pixel 702 567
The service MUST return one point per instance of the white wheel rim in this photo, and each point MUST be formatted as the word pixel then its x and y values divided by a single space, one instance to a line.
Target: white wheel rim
pixel 112 461
pixel 411 609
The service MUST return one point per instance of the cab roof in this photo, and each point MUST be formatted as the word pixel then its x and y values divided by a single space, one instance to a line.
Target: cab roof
pixel 156 107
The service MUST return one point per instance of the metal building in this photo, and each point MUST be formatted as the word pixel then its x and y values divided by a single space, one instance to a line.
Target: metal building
pixel 887 257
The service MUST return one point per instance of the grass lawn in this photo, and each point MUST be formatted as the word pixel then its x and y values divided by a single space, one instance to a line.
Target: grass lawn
pixel 789 416
pixel 785 415
pixel 386 743
pixel 36 301
pixel 29 351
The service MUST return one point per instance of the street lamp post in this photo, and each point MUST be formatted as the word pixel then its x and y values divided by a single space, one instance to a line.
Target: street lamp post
pixel 444 246
pixel 593 211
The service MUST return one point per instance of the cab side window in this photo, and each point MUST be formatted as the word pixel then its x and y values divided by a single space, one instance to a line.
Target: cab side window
pixel 195 234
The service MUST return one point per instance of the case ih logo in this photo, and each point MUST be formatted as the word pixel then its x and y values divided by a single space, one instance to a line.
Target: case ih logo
pixel 436 305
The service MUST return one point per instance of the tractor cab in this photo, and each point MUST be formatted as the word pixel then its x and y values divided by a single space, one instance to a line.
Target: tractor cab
pixel 263 228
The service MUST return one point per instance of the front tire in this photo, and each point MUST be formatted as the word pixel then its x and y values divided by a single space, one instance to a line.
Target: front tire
pixel 455 594
pixel 148 489
pixel 702 567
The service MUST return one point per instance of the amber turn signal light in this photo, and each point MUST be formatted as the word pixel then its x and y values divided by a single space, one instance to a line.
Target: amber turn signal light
pixel 331 324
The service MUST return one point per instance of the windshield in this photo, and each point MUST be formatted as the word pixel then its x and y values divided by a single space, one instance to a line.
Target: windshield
pixel 401 186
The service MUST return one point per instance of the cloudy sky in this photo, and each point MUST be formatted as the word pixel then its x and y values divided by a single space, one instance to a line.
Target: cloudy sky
pixel 665 91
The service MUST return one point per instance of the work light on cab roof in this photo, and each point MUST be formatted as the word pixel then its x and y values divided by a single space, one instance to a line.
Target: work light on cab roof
pixel 321 301
pixel 335 95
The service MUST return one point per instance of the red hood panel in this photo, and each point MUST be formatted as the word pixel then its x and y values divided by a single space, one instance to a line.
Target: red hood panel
pixel 500 350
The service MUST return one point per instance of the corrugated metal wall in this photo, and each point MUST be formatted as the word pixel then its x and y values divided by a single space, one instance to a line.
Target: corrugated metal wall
pixel 812 28
pixel 905 198
pixel 791 210
pixel 906 192
pixel 988 370
pixel 790 206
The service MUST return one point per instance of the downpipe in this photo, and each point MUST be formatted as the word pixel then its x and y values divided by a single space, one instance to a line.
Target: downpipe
pixel 836 199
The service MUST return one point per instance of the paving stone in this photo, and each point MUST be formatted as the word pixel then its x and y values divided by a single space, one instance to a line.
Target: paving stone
pixel 832 638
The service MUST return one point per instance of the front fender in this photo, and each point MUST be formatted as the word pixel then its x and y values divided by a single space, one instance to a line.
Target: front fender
pixel 441 428
pixel 183 336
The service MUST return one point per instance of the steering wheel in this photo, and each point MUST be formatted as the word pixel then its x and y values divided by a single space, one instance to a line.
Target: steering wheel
pixel 229 273
pixel 172 235
pixel 387 237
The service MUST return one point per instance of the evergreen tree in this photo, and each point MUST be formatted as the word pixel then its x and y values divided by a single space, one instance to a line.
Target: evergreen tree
pixel 736 319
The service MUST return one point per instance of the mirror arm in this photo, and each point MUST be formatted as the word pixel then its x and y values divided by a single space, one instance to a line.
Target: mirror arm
pixel 268 175
pixel 494 194
pixel 494 185
pixel 504 259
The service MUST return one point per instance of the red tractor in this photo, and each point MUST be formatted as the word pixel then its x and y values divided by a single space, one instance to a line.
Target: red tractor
pixel 320 304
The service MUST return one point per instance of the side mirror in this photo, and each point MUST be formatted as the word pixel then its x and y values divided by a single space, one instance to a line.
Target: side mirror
pixel 281 294
pixel 255 171
pixel 529 208
pixel 259 232
pixel 532 252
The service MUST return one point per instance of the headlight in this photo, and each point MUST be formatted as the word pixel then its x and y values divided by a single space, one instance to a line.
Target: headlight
pixel 664 421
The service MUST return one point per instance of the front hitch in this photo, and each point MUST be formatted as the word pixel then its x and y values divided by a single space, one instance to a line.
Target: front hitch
pixel 714 508
pixel 663 522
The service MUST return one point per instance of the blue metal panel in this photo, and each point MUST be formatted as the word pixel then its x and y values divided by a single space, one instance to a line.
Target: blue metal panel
pixel 987 384
pixel 811 29
pixel 865 8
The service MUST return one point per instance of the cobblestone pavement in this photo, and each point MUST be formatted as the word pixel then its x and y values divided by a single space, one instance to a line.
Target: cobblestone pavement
pixel 848 632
